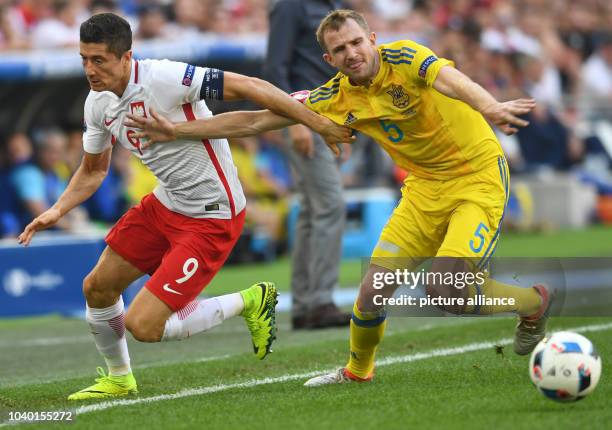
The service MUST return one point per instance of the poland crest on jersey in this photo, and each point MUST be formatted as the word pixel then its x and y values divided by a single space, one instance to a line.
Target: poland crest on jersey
pixel 138 109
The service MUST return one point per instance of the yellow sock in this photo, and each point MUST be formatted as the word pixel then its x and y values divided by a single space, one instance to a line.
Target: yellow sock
pixel 367 330
pixel 526 300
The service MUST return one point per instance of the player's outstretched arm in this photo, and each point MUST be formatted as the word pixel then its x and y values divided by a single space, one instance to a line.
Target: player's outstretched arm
pixel 239 87
pixel 84 183
pixel 453 83
pixel 157 128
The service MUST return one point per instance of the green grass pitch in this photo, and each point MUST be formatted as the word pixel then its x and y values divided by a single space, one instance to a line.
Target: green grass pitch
pixel 441 373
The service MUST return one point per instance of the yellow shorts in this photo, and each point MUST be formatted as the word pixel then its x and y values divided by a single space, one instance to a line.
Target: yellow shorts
pixel 460 217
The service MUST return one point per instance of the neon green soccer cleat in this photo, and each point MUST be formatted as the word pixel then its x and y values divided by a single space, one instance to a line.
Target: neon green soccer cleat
pixel 107 386
pixel 260 315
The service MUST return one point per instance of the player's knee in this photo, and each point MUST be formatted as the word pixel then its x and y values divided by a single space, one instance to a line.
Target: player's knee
pixel 370 299
pixel 93 290
pixel 374 290
pixel 142 330
pixel 98 293
pixel 145 335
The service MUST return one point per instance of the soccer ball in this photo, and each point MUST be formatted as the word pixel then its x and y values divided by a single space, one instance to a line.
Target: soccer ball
pixel 565 366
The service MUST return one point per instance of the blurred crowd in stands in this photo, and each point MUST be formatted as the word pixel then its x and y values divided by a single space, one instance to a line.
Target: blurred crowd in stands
pixel 556 51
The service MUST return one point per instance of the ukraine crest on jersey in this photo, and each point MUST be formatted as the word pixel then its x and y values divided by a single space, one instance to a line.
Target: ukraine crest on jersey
pixel 400 98
pixel 425 132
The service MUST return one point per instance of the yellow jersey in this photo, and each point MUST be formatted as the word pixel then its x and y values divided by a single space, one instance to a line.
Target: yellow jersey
pixel 425 132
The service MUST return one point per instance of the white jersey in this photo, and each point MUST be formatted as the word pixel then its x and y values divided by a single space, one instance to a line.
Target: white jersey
pixel 195 178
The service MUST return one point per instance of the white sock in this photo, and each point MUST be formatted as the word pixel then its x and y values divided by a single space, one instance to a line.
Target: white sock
pixel 108 327
pixel 231 304
pixel 199 316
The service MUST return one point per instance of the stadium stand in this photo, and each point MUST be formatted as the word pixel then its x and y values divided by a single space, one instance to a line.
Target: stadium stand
pixel 558 52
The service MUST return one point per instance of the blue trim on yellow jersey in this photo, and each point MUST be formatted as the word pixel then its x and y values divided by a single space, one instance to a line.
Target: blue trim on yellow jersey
pixel 403 48
pixel 318 97
pixel 501 162
pixel 386 53
pixel 324 90
pixel 397 62
pixel 396 58
pixel 503 172
pixel 324 93
pixel 334 82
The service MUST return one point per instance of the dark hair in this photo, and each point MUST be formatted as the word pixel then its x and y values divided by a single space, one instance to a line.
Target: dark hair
pixel 110 29
pixel 336 19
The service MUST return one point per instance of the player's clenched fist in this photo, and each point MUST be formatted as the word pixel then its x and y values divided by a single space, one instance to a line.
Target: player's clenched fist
pixel 45 220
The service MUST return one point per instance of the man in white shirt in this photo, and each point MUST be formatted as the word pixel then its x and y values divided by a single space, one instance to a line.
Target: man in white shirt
pixel 59 30
pixel 182 233
pixel 597 70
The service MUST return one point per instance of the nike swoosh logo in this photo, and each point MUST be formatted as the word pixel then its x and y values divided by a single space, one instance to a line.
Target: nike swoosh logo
pixel 107 123
pixel 170 290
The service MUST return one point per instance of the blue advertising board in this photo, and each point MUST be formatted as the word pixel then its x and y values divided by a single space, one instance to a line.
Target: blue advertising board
pixel 47 276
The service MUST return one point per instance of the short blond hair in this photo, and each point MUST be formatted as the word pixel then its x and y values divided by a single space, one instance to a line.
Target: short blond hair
pixel 336 19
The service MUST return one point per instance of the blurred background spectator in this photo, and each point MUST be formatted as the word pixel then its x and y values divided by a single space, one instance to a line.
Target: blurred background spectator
pixel 61 28
pixel 267 204
pixel 187 18
pixel 25 179
pixel 12 31
pixel 597 70
pixel 37 180
pixel 152 22
pixel 557 51
pixel 111 200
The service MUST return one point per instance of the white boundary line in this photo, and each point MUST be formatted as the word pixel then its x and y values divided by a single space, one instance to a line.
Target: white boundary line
pixel 137 367
pixel 292 377
pixel 390 331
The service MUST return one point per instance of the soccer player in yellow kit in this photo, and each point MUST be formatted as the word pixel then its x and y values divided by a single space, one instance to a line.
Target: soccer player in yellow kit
pixel 432 120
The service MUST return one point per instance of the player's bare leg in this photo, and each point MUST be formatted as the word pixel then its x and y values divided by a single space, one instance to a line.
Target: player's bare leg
pixel 106 318
pixel 147 316
pixel 149 319
pixel 108 279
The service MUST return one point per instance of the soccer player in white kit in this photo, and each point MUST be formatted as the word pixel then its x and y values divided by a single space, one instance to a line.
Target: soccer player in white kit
pixel 182 233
